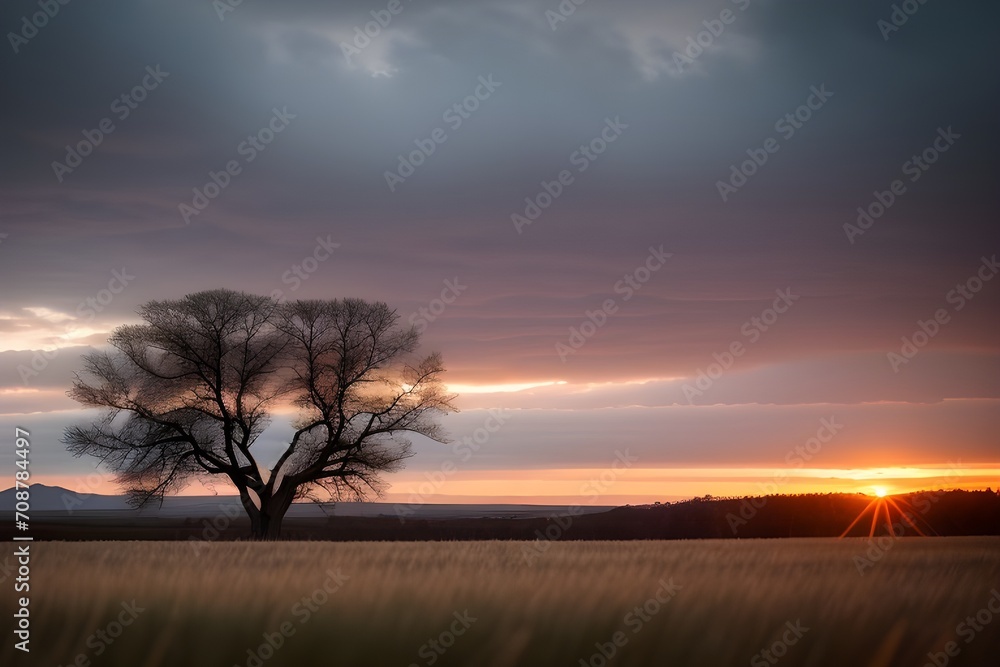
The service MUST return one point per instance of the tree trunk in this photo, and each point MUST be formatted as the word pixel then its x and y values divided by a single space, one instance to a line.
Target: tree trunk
pixel 252 512
pixel 270 527
pixel 265 523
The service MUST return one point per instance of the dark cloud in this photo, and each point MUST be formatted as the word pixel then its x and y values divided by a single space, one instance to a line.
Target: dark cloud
pixel 323 177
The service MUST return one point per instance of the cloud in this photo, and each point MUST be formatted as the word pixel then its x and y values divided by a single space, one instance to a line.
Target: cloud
pixel 324 176
pixel 41 328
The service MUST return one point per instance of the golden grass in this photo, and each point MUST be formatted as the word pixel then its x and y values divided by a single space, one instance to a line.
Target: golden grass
pixel 207 607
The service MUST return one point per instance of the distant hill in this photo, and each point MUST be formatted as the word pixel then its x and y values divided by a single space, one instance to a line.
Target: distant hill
pixel 46 498
pixel 55 500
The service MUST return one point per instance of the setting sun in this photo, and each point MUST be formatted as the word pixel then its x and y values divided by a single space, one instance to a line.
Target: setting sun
pixel 880 491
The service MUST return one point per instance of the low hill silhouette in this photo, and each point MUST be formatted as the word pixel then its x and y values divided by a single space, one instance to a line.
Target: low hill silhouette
pixel 808 515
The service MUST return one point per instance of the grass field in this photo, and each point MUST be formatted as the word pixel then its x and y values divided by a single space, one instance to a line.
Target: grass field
pixel 719 603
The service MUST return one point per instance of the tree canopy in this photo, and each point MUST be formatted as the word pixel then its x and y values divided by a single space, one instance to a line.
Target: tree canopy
pixel 188 392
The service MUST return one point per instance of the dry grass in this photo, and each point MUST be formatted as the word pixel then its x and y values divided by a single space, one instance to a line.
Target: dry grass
pixel 208 608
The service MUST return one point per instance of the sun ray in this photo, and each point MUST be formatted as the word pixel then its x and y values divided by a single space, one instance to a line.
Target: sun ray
pixel 859 517
pixel 884 505
pixel 878 508
pixel 915 515
pixel 906 517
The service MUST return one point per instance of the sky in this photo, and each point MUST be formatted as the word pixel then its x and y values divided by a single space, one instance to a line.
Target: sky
pixel 666 249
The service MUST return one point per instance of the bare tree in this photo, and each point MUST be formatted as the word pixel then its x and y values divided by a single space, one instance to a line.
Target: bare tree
pixel 188 392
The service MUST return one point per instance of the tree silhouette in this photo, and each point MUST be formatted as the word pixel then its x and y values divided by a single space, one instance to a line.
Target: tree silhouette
pixel 187 394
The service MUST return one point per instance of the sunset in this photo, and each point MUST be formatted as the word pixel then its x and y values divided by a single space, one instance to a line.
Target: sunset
pixel 549 292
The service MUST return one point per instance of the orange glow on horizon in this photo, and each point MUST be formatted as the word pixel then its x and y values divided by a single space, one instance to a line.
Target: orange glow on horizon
pixel 587 486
